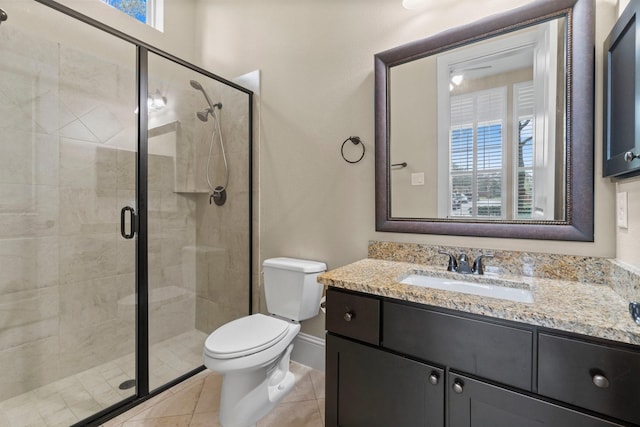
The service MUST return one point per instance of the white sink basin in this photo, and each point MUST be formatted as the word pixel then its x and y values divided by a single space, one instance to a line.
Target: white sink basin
pixel 516 294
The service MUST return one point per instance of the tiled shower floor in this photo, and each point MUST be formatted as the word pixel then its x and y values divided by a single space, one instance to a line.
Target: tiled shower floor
pixel 74 398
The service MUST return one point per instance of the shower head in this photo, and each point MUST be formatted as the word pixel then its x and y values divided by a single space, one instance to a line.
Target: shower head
pixel 203 115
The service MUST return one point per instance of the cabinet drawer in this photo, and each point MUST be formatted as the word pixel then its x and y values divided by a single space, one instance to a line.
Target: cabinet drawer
pixel 492 351
pixel 354 316
pixel 475 403
pixel 567 371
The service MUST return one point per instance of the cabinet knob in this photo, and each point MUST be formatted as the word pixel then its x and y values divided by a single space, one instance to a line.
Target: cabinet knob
pixel 600 381
pixel 434 378
pixel 458 386
pixel 348 316
pixel 629 156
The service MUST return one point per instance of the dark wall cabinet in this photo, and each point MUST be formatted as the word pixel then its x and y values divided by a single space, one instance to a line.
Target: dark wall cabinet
pixel 622 96
pixel 391 363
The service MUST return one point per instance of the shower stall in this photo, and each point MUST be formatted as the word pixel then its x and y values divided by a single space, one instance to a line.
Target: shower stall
pixel 114 266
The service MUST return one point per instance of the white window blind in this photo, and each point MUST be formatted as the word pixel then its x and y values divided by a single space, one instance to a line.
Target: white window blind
pixel 524 108
pixel 477 153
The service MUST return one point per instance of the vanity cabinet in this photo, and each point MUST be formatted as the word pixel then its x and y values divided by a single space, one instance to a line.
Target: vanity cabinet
pixel 427 366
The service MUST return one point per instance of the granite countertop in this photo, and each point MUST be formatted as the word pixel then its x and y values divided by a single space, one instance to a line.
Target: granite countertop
pixel 589 309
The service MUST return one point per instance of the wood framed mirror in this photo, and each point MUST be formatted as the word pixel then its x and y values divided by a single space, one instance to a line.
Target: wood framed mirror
pixel 487 129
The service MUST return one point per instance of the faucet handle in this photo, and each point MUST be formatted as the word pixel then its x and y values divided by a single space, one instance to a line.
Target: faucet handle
pixel 477 264
pixel 453 264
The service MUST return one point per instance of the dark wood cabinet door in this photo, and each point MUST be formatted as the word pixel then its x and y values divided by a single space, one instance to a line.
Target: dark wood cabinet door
pixel 367 387
pixel 601 378
pixel 622 95
pixel 478 404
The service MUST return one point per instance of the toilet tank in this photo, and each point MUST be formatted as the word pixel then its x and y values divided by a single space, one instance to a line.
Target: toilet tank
pixel 291 288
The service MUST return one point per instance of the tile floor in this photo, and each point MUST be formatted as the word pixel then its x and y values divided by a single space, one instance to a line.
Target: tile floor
pixel 194 403
pixel 69 400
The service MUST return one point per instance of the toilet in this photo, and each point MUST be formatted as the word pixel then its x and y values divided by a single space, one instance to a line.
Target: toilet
pixel 252 353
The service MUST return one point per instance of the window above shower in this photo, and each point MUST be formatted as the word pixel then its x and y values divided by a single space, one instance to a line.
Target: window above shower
pixel 148 12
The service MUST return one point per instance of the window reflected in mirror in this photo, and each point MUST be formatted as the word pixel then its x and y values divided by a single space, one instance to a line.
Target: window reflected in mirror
pixel 485 124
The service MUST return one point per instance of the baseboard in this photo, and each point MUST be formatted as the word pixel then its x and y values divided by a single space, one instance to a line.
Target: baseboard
pixel 308 350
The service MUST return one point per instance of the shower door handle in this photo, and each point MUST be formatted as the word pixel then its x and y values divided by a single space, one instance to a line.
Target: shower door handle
pixel 132 215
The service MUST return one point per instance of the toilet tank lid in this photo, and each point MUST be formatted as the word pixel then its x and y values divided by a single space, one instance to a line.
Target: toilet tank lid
pixel 294 264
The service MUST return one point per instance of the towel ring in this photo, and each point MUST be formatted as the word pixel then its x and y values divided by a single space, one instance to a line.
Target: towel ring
pixel 355 140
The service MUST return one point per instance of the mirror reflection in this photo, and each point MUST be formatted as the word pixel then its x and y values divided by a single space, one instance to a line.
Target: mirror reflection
pixel 479 132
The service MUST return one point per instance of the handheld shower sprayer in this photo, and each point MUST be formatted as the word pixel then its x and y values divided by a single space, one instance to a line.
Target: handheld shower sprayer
pixel 219 193
pixel 198 86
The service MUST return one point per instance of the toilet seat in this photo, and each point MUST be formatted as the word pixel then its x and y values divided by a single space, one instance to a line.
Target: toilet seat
pixel 245 336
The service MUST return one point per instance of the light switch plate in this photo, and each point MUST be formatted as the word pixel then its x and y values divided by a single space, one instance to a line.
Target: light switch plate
pixel 417 178
pixel 621 210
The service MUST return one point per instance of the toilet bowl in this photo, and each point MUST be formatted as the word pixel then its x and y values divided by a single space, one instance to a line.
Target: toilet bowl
pixel 252 353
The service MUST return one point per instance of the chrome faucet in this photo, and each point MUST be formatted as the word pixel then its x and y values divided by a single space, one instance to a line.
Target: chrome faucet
pixel 461 265
pixel 477 264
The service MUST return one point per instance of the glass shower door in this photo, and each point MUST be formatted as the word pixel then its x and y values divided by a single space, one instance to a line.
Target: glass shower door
pixel 67 167
pixel 198 234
